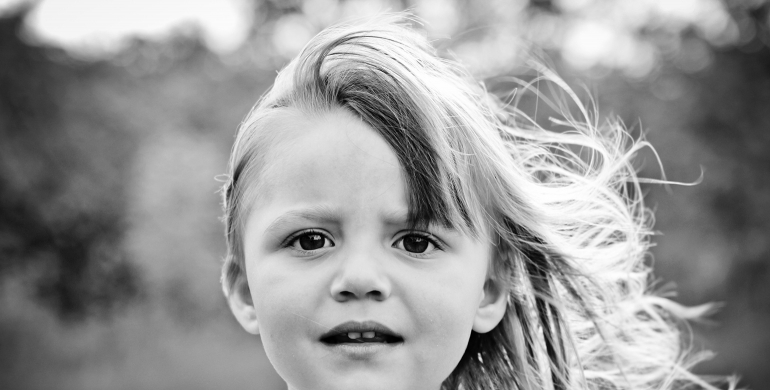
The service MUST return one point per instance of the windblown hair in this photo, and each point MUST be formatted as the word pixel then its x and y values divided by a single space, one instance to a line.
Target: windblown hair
pixel 565 210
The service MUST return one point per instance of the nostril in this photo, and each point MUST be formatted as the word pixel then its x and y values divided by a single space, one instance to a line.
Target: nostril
pixel 375 294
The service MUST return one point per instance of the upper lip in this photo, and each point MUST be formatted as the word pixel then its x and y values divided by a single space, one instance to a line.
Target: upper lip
pixel 355 326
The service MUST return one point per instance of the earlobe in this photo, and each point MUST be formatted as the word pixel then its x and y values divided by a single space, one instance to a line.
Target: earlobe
pixel 491 308
pixel 243 308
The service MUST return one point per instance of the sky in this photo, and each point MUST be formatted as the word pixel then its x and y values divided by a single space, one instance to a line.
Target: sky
pixel 608 34
pixel 102 26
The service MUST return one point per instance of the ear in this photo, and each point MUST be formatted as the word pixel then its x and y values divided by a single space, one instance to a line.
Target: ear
pixel 242 306
pixel 494 301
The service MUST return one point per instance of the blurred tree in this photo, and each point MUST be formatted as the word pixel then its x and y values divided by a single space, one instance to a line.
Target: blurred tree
pixel 61 193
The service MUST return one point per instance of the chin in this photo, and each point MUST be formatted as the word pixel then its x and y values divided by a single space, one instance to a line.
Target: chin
pixel 368 381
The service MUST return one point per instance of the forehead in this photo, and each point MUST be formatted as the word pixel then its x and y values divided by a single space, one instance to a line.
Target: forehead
pixel 432 198
pixel 329 167
pixel 333 147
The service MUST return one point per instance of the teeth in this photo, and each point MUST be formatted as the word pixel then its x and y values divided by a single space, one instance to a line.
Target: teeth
pixel 358 335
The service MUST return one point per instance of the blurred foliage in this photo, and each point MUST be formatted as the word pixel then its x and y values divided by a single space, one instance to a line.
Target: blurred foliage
pixel 63 205
pixel 109 241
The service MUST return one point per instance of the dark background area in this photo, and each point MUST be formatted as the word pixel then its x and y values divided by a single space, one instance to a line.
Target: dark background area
pixel 110 243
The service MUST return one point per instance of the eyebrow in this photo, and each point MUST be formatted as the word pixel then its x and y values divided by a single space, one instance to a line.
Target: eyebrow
pixel 325 214
pixel 320 214
pixel 395 218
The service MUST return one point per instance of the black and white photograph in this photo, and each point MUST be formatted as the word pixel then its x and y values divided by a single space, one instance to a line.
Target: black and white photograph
pixel 385 194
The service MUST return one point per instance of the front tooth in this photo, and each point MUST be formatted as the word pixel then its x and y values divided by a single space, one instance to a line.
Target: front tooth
pixel 368 335
pixel 354 335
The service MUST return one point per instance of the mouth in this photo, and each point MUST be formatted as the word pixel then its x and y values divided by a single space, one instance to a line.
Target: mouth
pixel 364 333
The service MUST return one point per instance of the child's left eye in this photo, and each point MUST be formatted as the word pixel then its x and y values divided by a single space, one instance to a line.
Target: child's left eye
pixel 309 241
pixel 414 243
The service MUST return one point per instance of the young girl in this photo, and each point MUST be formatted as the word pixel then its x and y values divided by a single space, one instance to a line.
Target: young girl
pixel 392 226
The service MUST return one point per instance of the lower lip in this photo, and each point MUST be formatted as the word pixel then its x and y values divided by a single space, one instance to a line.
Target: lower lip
pixel 363 350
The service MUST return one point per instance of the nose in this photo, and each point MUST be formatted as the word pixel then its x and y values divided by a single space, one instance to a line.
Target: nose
pixel 360 276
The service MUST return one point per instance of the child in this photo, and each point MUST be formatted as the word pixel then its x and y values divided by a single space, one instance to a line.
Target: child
pixel 390 226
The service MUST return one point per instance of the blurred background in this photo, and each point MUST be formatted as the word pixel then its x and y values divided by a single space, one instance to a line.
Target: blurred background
pixel 117 116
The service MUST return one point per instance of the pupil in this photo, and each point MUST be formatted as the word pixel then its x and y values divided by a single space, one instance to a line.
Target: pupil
pixel 415 244
pixel 309 242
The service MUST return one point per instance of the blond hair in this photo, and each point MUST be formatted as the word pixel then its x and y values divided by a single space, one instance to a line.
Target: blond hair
pixel 569 225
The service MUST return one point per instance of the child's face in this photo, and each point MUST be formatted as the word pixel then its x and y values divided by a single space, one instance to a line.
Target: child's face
pixel 346 297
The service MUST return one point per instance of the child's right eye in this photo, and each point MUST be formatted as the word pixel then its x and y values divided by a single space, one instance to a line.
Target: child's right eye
pixel 309 241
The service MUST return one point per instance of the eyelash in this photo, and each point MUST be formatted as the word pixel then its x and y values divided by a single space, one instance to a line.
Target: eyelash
pixel 431 239
pixel 292 240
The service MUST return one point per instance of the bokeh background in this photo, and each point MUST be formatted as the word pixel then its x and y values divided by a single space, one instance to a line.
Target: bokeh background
pixel 117 116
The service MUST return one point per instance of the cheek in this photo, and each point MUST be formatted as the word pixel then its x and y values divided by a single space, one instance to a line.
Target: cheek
pixel 281 302
pixel 270 302
pixel 445 310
